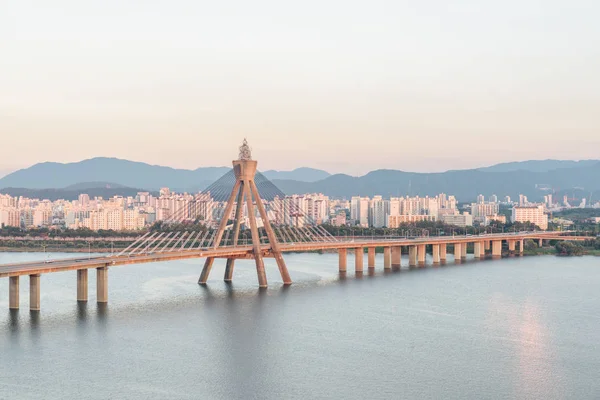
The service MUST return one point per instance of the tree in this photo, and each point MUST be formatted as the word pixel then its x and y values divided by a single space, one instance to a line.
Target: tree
pixel 566 248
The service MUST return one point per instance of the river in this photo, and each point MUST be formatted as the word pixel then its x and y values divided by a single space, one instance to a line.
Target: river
pixel 524 328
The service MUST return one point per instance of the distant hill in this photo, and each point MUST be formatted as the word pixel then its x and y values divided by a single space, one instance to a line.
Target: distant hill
pixel 122 172
pixel 94 185
pixel 299 174
pixel 131 174
pixel 109 175
pixel 71 194
pixel 464 184
pixel 538 165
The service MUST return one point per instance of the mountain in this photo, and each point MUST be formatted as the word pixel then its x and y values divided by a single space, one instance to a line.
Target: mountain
pixel 94 185
pixel 298 174
pixel 131 174
pixel 122 172
pixel 538 165
pixel 103 175
pixel 464 184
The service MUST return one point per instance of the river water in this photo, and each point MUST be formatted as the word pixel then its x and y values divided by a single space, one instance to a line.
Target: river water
pixel 524 328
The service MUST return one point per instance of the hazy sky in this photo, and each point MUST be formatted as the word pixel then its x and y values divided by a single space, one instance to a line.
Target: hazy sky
pixel 348 86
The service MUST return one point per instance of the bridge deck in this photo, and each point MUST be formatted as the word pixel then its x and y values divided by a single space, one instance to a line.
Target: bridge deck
pixel 60 265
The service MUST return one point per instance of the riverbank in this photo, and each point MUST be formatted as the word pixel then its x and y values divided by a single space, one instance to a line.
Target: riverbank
pixel 551 251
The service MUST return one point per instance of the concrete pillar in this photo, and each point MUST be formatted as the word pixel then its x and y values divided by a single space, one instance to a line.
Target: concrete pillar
pixel 481 250
pixel 358 259
pixel 435 250
pixel 396 257
pixel 102 285
pixel 13 292
pixel 343 259
pixel 371 257
pixel 82 285
pixel 487 244
pixel 497 248
pixel 443 252
pixel 463 251
pixel 412 256
pixel 387 258
pixel 477 249
pixel 457 252
pixel 541 242
pixel 421 253
pixel 512 246
pixel 521 246
pixel 34 292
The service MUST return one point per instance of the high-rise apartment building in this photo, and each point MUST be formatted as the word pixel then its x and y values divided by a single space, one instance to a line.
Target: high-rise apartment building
pixel 530 213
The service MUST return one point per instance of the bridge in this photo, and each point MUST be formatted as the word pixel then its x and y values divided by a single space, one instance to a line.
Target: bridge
pixel 244 216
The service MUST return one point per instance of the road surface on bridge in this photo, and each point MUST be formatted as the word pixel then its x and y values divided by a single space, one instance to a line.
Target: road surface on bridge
pixel 87 262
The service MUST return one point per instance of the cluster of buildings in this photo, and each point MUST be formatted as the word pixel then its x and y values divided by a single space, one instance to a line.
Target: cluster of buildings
pixel 391 213
pixel 133 213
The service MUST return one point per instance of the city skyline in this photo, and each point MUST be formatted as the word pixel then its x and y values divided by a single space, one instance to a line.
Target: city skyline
pixel 419 87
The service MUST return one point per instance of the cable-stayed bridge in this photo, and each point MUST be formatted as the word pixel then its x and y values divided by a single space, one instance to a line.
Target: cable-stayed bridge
pixel 245 216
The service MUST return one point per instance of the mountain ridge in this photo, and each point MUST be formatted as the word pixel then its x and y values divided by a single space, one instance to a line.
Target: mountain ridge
pixel 464 184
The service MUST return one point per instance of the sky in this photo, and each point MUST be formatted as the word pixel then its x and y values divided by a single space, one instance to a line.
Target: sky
pixel 347 86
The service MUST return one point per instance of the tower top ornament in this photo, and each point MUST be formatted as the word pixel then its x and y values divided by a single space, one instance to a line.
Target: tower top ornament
pixel 245 151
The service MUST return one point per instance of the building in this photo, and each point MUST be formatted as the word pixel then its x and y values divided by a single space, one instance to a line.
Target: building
pixel 480 199
pixel 531 213
pixel 481 210
pixel 394 221
pixel 10 216
pixel 523 200
pixel 462 220
pixel 339 219
pixel 489 219
pixel 379 209
pixel 493 198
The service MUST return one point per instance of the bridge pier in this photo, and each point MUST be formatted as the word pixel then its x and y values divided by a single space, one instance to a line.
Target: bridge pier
pixel 102 284
pixel 206 270
pixel 34 292
pixel 412 256
pixel 421 253
pixel 396 257
pixel 13 292
pixel 457 252
pixel 371 257
pixel 477 249
pixel 487 245
pixel 435 250
pixel 358 259
pixel 343 259
pixel 481 250
pixel 443 252
pixel 387 258
pixel 541 243
pixel 82 285
pixel 463 251
pixel 512 246
pixel 497 248
pixel 521 247
pixel 229 269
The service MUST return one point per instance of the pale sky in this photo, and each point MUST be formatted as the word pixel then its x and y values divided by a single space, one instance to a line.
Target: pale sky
pixel 347 86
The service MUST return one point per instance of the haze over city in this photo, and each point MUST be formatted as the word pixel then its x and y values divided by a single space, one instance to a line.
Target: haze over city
pixel 427 86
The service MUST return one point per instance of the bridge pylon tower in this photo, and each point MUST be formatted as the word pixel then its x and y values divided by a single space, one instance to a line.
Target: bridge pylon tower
pixel 245 190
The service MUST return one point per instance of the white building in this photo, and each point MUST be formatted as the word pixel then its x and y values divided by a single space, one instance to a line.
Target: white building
pixel 462 220
pixel 531 213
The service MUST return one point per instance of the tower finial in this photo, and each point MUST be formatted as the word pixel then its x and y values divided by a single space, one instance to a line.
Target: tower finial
pixel 245 151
